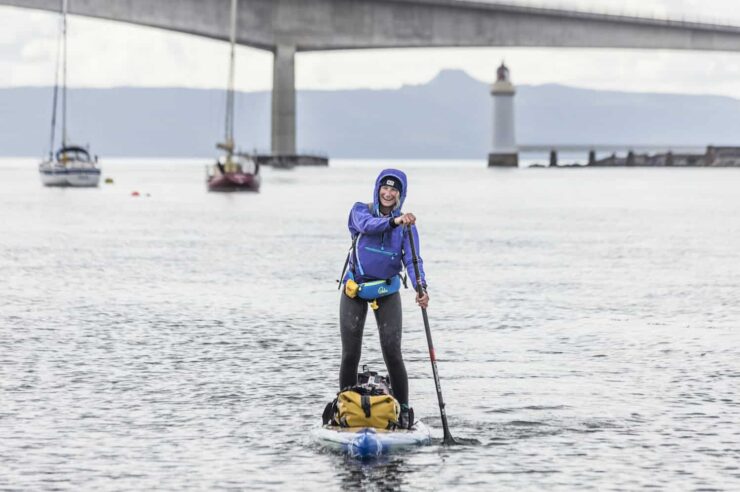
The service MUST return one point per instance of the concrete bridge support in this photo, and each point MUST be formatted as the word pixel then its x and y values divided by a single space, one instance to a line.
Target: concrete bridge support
pixel 283 101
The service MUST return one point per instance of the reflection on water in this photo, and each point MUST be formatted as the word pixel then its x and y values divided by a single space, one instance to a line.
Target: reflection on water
pixel 584 320
pixel 386 474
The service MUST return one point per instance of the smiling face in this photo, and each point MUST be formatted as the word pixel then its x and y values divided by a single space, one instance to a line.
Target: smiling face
pixel 388 197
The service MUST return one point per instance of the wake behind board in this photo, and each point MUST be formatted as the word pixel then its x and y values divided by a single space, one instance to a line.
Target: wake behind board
pixel 367 442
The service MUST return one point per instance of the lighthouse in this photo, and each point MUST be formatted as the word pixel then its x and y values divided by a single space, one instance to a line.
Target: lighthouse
pixel 503 150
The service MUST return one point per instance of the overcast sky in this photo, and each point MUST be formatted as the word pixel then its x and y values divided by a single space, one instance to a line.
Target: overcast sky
pixel 105 54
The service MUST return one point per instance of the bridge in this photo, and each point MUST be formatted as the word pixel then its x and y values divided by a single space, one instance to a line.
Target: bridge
pixel 286 27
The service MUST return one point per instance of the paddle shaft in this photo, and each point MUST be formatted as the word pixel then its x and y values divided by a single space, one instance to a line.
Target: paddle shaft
pixel 448 439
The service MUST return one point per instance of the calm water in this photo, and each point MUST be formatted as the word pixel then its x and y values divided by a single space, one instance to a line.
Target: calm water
pixel 586 322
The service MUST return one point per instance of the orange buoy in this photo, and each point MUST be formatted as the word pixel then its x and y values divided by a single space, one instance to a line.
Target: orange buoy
pixel 134 193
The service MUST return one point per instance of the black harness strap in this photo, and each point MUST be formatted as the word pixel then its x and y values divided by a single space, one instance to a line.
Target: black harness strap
pixel 346 262
pixel 365 400
pixel 349 254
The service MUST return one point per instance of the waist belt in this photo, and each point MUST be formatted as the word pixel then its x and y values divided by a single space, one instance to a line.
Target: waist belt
pixel 372 290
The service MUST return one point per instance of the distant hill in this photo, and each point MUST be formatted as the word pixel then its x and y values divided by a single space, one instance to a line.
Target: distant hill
pixel 449 117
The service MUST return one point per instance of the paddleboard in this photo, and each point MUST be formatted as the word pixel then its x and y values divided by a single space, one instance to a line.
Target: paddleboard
pixel 367 442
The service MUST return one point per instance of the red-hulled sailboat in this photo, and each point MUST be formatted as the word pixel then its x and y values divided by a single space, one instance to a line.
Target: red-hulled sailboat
pixel 233 171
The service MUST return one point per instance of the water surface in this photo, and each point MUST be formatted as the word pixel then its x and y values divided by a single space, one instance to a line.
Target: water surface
pixel 585 322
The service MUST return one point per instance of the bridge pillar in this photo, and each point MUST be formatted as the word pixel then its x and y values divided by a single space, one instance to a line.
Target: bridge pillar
pixel 283 101
pixel 283 145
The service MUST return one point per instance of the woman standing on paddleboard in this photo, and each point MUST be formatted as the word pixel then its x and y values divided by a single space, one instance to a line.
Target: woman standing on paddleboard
pixel 380 250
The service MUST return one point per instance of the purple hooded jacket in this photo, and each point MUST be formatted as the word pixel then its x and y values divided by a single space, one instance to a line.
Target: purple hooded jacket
pixel 382 249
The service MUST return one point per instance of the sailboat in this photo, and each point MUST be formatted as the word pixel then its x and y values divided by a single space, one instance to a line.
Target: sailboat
pixel 233 171
pixel 70 165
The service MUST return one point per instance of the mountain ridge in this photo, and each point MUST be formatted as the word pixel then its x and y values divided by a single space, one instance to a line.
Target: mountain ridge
pixel 447 117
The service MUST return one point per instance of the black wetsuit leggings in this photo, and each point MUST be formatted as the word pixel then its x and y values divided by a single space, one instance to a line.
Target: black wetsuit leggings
pixel 352 314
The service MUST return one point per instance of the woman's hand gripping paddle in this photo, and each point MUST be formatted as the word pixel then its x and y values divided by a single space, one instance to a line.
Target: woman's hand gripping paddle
pixel 448 439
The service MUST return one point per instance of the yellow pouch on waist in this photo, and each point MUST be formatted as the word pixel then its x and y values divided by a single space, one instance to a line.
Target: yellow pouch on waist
pixel 356 410
pixel 351 288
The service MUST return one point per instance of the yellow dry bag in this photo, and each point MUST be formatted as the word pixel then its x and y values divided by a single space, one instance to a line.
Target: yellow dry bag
pixel 358 410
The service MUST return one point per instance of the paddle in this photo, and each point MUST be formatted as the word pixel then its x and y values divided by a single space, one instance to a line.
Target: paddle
pixel 448 439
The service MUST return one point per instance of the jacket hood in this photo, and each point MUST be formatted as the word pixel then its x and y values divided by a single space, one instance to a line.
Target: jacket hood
pixel 399 175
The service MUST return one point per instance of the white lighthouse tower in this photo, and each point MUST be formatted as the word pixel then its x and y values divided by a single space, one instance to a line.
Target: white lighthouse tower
pixel 503 151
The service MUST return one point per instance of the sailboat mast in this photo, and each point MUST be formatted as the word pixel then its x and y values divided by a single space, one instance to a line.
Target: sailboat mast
pixel 64 73
pixel 56 89
pixel 230 91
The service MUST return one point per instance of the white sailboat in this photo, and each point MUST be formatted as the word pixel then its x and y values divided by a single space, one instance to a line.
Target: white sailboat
pixel 70 165
pixel 233 171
